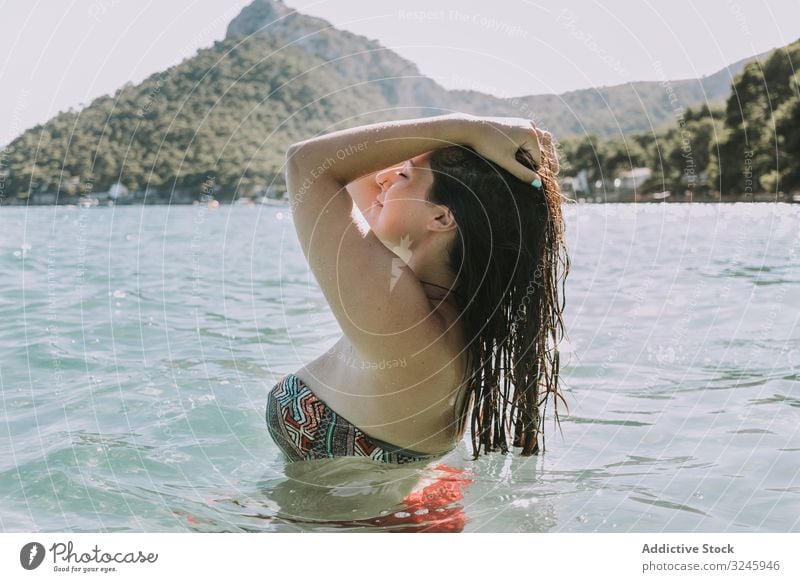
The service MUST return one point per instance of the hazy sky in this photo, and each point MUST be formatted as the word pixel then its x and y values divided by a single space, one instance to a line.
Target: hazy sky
pixel 56 54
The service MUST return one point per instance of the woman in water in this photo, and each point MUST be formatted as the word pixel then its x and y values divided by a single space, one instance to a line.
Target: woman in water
pixel 448 303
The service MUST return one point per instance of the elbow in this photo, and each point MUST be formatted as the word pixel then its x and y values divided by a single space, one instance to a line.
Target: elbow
pixel 297 153
pixel 292 150
pixel 289 156
pixel 290 163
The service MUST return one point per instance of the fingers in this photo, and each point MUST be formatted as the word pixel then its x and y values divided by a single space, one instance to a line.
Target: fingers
pixel 531 177
pixel 544 144
pixel 524 163
pixel 533 145
pixel 524 173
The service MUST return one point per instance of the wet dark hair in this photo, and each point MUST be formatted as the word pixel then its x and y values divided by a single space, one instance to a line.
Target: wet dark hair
pixel 508 256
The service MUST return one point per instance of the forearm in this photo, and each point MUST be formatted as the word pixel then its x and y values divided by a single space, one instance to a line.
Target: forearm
pixel 348 154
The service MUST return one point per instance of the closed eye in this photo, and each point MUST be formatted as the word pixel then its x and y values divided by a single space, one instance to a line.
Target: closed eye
pixel 402 174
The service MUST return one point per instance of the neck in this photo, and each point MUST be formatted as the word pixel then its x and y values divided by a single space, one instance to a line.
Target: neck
pixel 436 278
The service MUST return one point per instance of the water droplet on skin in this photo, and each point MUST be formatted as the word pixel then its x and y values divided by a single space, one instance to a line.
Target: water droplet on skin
pixel 402 514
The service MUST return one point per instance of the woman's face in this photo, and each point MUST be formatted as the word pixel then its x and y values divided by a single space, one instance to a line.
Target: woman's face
pixel 402 211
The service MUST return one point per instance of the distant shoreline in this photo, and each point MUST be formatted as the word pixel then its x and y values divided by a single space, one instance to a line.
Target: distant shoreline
pixel 247 202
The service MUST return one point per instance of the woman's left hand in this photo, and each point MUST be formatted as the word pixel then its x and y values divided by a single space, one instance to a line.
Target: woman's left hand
pixel 498 139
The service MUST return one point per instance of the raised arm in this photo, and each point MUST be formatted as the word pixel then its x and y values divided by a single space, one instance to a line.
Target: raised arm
pixel 348 154
pixel 378 301
pixel 345 155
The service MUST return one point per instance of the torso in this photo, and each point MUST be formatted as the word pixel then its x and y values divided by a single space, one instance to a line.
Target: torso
pixel 387 400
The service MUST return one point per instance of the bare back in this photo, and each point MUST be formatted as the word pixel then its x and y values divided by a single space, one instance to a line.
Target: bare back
pixel 389 399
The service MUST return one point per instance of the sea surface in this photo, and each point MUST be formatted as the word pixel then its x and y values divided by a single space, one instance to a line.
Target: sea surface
pixel 138 344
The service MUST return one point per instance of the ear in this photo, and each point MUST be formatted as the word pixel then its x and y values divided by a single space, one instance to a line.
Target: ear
pixel 442 219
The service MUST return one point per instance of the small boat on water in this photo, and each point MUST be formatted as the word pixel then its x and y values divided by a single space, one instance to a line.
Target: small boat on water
pixel 267 201
pixel 88 201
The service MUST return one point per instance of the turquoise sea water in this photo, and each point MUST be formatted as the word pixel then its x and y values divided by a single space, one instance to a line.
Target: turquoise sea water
pixel 138 345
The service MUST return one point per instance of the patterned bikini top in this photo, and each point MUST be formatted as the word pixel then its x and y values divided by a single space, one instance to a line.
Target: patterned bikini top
pixel 305 428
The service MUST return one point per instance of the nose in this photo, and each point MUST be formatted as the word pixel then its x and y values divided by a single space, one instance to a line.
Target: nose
pixel 385 178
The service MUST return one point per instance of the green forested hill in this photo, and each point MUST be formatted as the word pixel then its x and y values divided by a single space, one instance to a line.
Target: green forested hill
pixel 226 113
pixel 760 148
pixel 225 116
pixel 746 148
pixel 609 111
